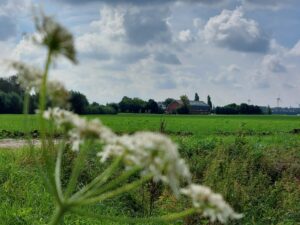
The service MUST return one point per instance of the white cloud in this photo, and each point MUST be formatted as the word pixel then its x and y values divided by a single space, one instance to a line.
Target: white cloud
pixel 260 81
pixel 185 35
pixel 232 30
pixel 233 68
pixel 295 51
pixel 272 63
pixel 268 4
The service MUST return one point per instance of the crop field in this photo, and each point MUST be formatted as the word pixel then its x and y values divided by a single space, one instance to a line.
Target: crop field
pixel 254 161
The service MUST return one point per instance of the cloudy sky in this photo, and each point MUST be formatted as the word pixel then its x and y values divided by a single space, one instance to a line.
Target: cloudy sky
pixel 233 50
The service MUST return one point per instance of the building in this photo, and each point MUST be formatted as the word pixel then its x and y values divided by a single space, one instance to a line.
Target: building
pixel 196 107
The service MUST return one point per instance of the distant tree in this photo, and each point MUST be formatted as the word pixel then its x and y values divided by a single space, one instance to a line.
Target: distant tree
pixel 238 109
pixel 152 106
pixel 196 97
pixel 132 105
pixel 115 106
pixel 209 102
pixel 125 104
pixel 168 101
pixel 269 110
pixel 185 108
pixel 79 102
pixel 138 105
pixel 14 103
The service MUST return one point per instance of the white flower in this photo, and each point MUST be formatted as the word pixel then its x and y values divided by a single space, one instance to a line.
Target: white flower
pixel 77 128
pixel 213 205
pixel 57 92
pixel 154 152
pixel 29 78
pixel 56 37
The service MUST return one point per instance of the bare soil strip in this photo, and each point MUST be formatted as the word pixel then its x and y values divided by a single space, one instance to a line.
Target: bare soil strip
pixel 16 143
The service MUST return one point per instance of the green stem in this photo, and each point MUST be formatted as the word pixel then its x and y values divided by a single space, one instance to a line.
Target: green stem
pixel 115 182
pixel 58 172
pixel 76 170
pixel 99 180
pixel 118 191
pixel 149 220
pixel 57 216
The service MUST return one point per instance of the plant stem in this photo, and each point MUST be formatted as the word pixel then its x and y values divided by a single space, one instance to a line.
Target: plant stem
pixel 149 220
pixel 57 216
pixel 101 179
pixel 112 184
pixel 118 191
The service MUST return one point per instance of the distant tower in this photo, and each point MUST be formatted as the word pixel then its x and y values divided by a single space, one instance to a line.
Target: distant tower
pixel 278 100
pixel 249 101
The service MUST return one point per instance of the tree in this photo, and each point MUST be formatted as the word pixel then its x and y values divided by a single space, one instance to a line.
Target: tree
pixel 185 108
pixel 209 102
pixel 115 106
pixel 269 110
pixel 125 104
pixel 152 106
pixel 168 101
pixel 197 97
pixel 79 102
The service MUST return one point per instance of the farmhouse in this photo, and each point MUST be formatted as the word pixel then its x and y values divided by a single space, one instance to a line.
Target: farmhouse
pixel 196 107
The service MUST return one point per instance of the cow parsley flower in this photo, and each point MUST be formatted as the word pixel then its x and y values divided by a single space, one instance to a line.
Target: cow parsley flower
pixel 56 37
pixel 57 92
pixel 30 78
pixel 212 205
pixel 153 152
pixel 79 129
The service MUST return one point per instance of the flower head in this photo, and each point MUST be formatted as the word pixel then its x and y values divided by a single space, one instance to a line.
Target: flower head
pixel 57 92
pixel 29 78
pixel 212 204
pixel 57 38
pixel 77 128
pixel 153 152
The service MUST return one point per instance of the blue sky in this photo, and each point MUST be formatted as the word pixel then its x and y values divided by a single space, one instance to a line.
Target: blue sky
pixel 233 50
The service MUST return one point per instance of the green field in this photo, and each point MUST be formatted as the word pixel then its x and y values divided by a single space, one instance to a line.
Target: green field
pixel 254 161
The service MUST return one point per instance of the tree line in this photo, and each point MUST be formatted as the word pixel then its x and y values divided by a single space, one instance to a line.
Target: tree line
pixel 12 97
pixel 238 109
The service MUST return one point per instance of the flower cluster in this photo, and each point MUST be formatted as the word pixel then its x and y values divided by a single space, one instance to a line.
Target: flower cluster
pixel 29 77
pixel 212 204
pixel 55 37
pixel 79 128
pixel 57 93
pixel 154 153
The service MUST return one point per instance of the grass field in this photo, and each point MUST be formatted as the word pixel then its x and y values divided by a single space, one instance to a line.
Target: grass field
pixel 198 125
pixel 254 161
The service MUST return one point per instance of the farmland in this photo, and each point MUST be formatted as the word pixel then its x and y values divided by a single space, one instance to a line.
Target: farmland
pixel 252 160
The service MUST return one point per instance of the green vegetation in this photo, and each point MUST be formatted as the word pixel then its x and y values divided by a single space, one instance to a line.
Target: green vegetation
pixel 252 160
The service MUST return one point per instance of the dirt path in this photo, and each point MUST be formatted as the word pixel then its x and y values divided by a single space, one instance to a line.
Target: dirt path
pixel 16 143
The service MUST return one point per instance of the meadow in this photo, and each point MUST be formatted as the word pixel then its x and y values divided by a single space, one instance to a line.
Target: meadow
pixel 254 161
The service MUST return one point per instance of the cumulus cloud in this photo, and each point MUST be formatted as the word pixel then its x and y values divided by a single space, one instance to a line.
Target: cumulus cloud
pixel 143 2
pixel 168 58
pixel 185 35
pixel 260 81
pixel 268 4
pixel 233 68
pixel 227 77
pixel 296 49
pixel 273 64
pixel 145 25
pixel 8 27
pixel 232 30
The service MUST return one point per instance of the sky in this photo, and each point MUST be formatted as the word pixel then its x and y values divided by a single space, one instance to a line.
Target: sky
pixel 233 50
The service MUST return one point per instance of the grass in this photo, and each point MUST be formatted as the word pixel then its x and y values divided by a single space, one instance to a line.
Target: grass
pixel 252 160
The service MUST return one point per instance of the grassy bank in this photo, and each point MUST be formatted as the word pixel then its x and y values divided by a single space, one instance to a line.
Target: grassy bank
pixel 252 160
